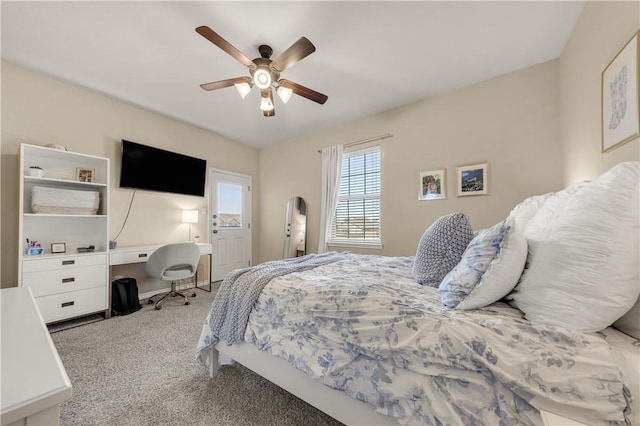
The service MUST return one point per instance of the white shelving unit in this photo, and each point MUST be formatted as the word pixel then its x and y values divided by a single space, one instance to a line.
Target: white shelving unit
pixel 69 284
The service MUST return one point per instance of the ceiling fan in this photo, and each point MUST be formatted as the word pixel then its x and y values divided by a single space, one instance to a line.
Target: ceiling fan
pixel 265 72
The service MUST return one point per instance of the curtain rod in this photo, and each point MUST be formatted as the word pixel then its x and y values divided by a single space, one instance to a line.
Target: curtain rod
pixel 361 141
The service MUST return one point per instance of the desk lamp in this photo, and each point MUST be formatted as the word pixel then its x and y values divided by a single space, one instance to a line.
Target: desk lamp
pixel 189 216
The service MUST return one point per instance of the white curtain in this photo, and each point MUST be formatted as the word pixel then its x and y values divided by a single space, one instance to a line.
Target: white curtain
pixel 331 169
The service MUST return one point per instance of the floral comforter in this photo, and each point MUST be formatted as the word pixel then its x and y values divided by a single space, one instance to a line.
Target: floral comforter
pixel 365 327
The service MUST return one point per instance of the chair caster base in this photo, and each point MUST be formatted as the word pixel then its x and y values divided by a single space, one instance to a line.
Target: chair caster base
pixel 158 308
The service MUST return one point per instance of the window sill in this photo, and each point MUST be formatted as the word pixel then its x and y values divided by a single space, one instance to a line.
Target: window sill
pixel 356 244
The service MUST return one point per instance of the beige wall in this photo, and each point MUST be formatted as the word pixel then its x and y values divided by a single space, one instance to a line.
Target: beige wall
pixel 539 129
pixel 511 121
pixel 40 110
pixel 601 31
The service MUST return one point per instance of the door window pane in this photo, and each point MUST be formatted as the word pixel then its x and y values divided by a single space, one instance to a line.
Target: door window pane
pixel 229 205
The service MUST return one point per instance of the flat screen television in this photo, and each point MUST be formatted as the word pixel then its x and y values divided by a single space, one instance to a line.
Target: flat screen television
pixel 155 169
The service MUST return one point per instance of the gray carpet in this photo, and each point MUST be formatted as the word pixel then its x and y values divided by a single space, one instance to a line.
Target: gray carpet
pixel 140 370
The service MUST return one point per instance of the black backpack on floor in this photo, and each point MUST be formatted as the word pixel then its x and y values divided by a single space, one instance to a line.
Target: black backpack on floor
pixel 124 296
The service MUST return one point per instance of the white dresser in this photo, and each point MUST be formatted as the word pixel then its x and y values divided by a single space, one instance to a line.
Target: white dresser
pixel 67 286
pixel 34 381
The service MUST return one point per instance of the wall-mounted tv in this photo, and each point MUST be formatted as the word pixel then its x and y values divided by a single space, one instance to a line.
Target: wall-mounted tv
pixel 154 169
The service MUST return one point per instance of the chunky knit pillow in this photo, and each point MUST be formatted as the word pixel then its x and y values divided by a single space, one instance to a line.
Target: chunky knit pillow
pixel 441 248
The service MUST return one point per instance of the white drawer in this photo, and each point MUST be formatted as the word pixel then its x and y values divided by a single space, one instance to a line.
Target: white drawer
pixel 63 262
pixel 130 256
pixel 64 280
pixel 67 305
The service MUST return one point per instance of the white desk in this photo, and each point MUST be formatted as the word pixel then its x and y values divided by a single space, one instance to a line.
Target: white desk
pixel 140 254
pixel 34 381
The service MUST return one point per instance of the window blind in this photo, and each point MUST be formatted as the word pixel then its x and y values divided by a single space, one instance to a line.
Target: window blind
pixel 357 216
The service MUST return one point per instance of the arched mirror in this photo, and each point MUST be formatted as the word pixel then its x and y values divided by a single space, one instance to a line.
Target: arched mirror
pixel 295 228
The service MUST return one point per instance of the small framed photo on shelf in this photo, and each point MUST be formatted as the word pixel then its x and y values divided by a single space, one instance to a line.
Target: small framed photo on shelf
pixel 473 179
pixel 85 175
pixel 432 185
pixel 58 248
pixel 620 100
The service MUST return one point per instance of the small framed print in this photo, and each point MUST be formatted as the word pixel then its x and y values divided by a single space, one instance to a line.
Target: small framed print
pixel 85 175
pixel 473 179
pixel 620 98
pixel 58 248
pixel 432 185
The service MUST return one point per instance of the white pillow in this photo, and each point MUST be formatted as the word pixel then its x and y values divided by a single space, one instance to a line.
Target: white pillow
pixel 489 269
pixel 582 270
pixel 527 209
pixel 523 212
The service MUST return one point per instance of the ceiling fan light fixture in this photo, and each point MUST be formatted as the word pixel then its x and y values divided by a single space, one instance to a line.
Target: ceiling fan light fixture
pixel 243 89
pixel 262 78
pixel 266 101
pixel 265 72
pixel 284 93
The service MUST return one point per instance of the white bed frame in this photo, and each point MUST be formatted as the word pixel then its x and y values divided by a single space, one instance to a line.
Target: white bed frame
pixel 335 403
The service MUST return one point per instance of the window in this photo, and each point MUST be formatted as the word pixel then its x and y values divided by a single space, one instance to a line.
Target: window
pixel 229 205
pixel 357 216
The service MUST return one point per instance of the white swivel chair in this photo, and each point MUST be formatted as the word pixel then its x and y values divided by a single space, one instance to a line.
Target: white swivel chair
pixel 173 262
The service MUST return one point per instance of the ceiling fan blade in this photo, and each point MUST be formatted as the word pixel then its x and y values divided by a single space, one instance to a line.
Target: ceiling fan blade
pixel 305 92
pixel 297 51
pixel 223 44
pixel 225 83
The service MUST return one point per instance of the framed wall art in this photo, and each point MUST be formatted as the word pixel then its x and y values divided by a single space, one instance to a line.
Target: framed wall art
pixel 473 179
pixel 620 107
pixel 85 175
pixel 432 185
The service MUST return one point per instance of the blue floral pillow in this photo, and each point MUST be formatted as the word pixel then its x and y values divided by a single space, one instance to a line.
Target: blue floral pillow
pixel 490 268
pixel 441 247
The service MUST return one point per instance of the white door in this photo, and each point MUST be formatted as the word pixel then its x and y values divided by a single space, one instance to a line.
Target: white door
pixel 230 222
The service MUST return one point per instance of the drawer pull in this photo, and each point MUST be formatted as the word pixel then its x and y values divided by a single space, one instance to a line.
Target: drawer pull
pixel 68 262
pixel 142 255
pixel 67 304
pixel 68 280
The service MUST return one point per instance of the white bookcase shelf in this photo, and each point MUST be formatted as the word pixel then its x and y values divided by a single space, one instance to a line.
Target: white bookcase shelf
pixel 63 215
pixel 71 283
pixel 61 182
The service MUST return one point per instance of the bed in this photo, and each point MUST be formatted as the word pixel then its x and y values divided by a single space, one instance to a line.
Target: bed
pixel 505 332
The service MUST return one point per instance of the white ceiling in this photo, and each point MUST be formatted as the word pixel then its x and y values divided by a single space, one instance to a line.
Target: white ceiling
pixel 370 57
